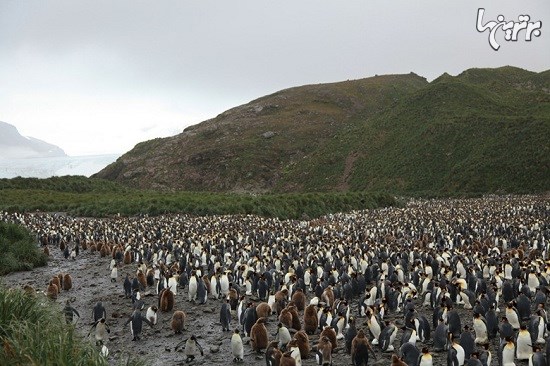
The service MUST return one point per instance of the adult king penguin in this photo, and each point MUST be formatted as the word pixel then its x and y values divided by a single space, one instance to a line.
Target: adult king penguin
pixel 426 358
pixel 237 348
pixel 136 326
pixel 480 329
pixel 524 349
pixel 387 337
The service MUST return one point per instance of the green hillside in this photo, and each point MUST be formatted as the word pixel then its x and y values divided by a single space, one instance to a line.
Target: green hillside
pixel 483 131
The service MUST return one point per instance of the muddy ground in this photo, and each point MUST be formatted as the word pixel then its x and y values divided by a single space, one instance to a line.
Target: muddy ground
pixel 91 283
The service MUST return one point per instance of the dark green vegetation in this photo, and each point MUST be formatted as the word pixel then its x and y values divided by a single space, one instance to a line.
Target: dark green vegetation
pixel 483 131
pixel 80 196
pixel 18 250
pixel 32 332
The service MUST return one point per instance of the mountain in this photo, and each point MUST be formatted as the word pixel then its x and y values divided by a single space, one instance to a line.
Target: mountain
pixel 15 146
pixel 483 131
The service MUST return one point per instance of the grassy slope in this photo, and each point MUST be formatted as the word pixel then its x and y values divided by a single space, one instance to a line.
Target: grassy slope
pixel 229 153
pixel 483 131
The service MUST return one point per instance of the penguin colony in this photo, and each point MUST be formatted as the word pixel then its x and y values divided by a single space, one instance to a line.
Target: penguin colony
pixel 438 282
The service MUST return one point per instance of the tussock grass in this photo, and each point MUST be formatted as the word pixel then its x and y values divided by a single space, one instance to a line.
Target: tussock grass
pixel 18 250
pixel 33 332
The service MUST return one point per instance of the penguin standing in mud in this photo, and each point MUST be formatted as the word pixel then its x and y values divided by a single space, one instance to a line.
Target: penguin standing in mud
pixel 202 293
pixel 192 348
pixel 538 358
pixel 249 319
pixel 282 336
pixel 114 272
pixel 480 329
pixel 351 332
pixel 99 311
pixel 237 349
pixel 360 348
pixel 259 335
pixel 192 291
pixel 387 337
pixel 440 337
pixel 127 285
pixel 537 328
pixel 136 326
pixel 508 352
pixel 69 312
pixel 178 321
pixel 225 315
pixel 151 314
pixel 409 353
pixel 524 349
pixel 101 331
pixel 324 352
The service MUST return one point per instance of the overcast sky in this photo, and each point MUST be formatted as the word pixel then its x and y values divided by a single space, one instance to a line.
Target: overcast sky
pixel 97 77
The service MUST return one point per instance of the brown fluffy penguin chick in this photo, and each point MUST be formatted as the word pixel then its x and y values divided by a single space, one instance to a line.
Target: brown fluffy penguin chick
pixel 55 280
pixel 281 296
pixel 324 351
pixel 178 321
pixel 299 299
pixel 396 361
pixel 360 347
pixel 303 343
pixel 328 296
pixel 103 251
pixel 127 259
pixel 330 333
pixel 142 279
pixel 295 317
pixel 166 300
pixel 311 320
pixel 67 282
pixel 263 310
pixel 52 291
pixel 286 318
pixel 258 335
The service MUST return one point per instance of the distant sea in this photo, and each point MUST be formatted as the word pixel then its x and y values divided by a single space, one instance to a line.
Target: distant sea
pixel 58 166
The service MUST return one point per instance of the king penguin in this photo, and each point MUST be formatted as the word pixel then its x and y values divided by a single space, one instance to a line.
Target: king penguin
pixel 136 326
pixel 440 336
pixel 458 350
pixel 467 342
pixel 537 358
pixel 374 327
pixel 409 353
pixel 237 348
pixel 351 332
pixel 387 337
pixel 225 315
pixel 537 327
pixel 512 316
pixel 508 353
pixel 409 335
pixel 524 349
pixel 523 306
pixel 426 358
pixel 491 319
pixel 454 323
pixel 480 329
